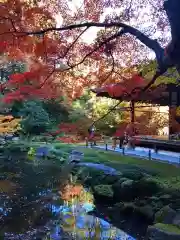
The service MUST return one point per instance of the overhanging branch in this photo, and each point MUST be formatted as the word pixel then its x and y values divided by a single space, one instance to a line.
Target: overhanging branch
pixel 150 43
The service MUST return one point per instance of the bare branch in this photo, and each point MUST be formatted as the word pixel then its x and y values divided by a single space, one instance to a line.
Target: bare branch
pixel 75 41
pixel 98 47
pixel 112 69
pixel 12 23
pixel 150 43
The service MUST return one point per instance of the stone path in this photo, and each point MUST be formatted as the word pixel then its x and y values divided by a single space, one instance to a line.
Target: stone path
pixel 170 157
pixel 100 166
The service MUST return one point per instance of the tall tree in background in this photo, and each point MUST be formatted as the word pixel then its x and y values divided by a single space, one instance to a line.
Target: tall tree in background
pixel 126 33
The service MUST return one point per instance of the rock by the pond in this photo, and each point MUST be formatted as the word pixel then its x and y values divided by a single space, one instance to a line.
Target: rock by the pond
pixel 146 211
pixel 106 169
pixel 127 183
pixel 125 207
pixel 145 187
pixel 103 193
pixel 42 151
pixel 165 215
pixel 176 220
pixel 117 185
pixel 15 139
pixel 124 191
pixel 76 156
pixel 163 232
pixel 133 174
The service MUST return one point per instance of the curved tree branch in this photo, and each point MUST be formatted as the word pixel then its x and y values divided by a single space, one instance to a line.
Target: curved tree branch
pixel 120 33
pixel 150 43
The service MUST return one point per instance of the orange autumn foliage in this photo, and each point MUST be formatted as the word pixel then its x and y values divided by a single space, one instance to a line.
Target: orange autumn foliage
pixel 29 32
pixel 70 191
pixel 9 124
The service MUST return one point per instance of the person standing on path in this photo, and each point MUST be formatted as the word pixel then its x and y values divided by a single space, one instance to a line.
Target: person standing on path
pixel 91 131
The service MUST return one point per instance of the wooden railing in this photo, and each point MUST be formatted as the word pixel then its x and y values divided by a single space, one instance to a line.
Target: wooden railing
pixel 137 141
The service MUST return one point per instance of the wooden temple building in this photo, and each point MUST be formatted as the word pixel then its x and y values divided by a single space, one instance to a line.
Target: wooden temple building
pixel 161 95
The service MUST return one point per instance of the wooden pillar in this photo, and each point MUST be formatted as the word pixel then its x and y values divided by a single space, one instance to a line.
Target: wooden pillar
pixel 132 111
pixel 132 117
pixel 174 115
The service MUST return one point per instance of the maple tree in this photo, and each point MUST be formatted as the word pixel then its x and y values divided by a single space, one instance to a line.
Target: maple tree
pixel 59 53
pixel 52 40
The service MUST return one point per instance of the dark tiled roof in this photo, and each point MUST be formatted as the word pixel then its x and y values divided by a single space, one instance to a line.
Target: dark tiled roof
pixel 161 94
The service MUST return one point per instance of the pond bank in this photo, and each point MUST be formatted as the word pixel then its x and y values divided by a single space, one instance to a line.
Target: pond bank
pixel 37 201
pixel 126 191
pixel 134 195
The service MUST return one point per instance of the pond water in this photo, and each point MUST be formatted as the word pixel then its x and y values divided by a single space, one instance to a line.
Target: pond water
pixel 37 202
pixel 69 219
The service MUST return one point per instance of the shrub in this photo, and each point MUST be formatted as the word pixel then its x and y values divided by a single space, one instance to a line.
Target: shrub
pixel 35 118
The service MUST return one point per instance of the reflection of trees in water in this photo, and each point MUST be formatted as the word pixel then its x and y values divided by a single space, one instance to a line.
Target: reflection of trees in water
pixel 77 222
pixel 20 198
pixel 70 191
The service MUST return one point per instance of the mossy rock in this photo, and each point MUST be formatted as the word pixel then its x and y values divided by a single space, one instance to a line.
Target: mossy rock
pixel 176 220
pixel 161 231
pixel 146 187
pixel 127 183
pixel 118 183
pixel 110 179
pixel 91 177
pixel 165 215
pixel 125 192
pixel 104 191
pixel 153 199
pixel 133 174
pixel 146 212
pixel 156 205
pixel 140 203
pixel 166 199
pixel 126 207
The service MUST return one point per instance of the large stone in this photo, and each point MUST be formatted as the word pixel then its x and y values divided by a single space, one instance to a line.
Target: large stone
pixel 103 193
pixel 127 208
pixel 145 187
pixel 165 215
pixel 117 184
pixel 176 220
pixel 127 183
pixel 163 232
pixel 146 212
pixel 133 174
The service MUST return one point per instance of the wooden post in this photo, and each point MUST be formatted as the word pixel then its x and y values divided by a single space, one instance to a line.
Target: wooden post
pixel 120 142
pixel 86 142
pixel 123 151
pixel 132 117
pixel 155 148
pixel 114 143
pixel 149 154
pixel 132 111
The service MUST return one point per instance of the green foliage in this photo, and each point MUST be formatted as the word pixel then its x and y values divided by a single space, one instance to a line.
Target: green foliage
pixel 90 108
pixel 56 110
pixel 167 228
pixel 165 215
pixel 104 190
pixel 35 119
pixel 9 68
pixel 149 69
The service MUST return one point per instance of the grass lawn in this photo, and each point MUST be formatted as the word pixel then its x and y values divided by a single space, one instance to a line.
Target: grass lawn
pixel 166 174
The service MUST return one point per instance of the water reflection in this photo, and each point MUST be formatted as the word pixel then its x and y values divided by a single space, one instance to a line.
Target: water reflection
pixel 75 220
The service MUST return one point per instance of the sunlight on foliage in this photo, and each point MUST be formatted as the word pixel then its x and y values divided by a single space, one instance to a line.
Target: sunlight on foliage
pixel 9 124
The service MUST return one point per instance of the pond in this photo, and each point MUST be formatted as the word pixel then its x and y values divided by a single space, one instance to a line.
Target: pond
pixel 66 216
pixel 37 202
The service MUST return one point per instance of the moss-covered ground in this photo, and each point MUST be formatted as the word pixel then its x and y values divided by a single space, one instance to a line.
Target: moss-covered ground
pixel 165 174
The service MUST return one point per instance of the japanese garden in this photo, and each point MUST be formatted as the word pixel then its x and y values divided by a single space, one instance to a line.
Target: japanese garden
pixel 89 119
